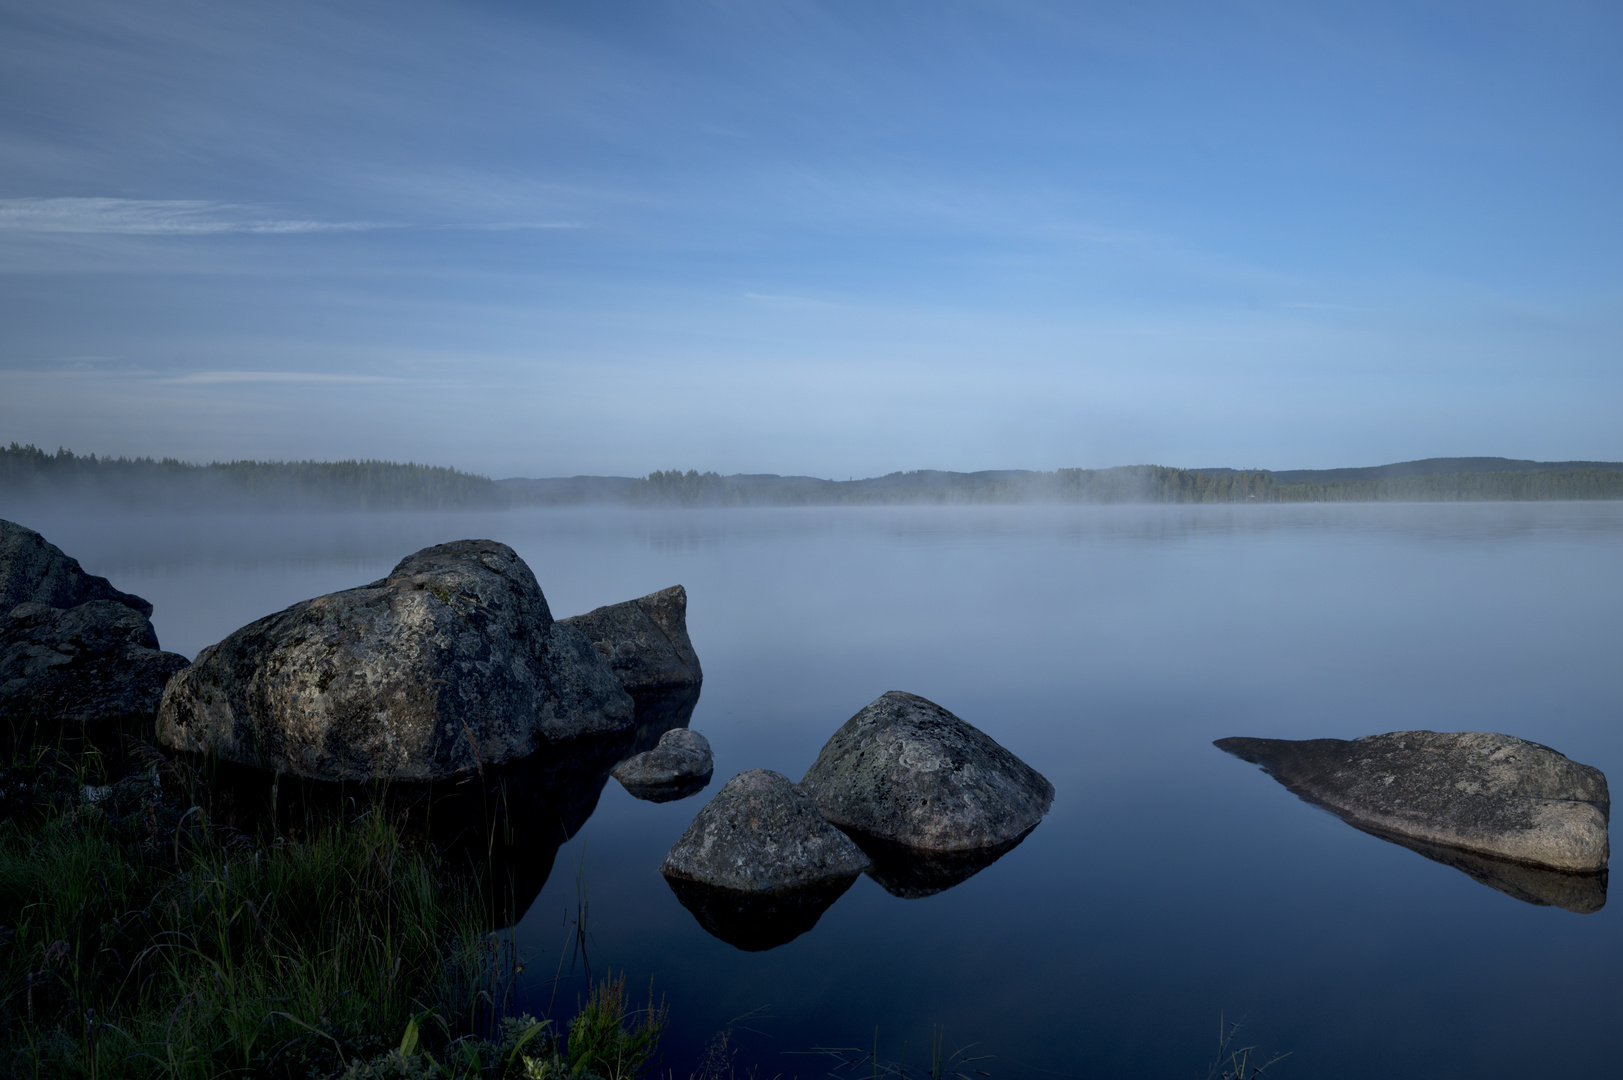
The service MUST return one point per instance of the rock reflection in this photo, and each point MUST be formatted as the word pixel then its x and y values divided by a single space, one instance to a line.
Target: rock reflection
pixel 912 874
pixel 755 922
pixel 1582 893
pixel 501 831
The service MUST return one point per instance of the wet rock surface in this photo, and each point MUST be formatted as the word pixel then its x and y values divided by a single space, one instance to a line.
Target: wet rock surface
pixel 762 834
pixel 1582 893
pixel 755 922
pixel 35 571
pixel 92 663
pixel 680 765
pixel 1477 792
pixel 452 664
pixel 907 771
pixel 645 641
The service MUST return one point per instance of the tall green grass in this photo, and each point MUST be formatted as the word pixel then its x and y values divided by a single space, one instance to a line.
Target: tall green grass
pixel 139 938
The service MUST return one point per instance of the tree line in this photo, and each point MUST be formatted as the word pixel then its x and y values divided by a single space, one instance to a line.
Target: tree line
pixel 28 472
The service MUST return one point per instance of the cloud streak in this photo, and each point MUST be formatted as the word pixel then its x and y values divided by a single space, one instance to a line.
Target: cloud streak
pixel 157 217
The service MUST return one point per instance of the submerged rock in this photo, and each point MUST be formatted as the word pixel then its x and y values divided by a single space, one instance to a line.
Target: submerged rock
pixel 1478 792
pixel 450 665
pixel 761 834
pixel 35 571
pixel 95 662
pixel 907 771
pixel 680 765
pixel 645 641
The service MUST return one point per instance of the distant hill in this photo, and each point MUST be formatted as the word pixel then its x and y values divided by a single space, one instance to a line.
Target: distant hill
pixel 1429 467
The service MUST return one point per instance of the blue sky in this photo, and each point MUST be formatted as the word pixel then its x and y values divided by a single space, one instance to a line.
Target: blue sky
pixel 550 238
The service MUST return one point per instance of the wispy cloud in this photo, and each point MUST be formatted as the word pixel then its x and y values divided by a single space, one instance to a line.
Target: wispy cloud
pixel 156 217
pixel 227 377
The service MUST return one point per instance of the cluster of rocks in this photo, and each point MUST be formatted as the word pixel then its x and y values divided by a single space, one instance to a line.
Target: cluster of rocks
pixel 1515 815
pixel 73 649
pixel 904 790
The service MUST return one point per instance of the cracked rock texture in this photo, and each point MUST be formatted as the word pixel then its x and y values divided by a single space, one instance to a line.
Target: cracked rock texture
pixel 1476 791
pixel 73 648
pixel 761 834
pixel 451 664
pixel 645 640
pixel 679 765
pixel 907 771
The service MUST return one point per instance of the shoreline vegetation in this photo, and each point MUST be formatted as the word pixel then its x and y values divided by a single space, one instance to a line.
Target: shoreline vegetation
pixel 30 475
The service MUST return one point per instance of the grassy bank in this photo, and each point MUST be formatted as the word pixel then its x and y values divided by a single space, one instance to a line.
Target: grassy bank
pixel 139 937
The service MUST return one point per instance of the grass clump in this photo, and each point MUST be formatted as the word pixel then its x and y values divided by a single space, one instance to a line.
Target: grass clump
pixel 140 938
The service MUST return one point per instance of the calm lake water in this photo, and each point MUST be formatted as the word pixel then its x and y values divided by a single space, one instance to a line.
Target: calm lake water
pixel 1108 647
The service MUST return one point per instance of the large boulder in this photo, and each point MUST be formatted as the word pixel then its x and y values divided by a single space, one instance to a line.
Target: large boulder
pixel 92 663
pixel 761 834
pixel 449 665
pixel 678 766
pixel 1474 791
pixel 907 771
pixel 35 571
pixel 645 641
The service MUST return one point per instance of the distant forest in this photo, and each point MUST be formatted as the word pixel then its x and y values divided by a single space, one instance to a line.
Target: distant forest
pixel 28 473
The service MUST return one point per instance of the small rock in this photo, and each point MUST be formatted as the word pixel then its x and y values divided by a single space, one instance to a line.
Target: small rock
pixel 1495 795
pixel 645 640
pixel 34 570
pixel 679 766
pixel 449 665
pixel 907 771
pixel 761 834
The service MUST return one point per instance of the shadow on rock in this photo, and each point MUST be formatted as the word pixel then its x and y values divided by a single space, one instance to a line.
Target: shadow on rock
pixel 755 922
pixel 501 831
pixel 912 874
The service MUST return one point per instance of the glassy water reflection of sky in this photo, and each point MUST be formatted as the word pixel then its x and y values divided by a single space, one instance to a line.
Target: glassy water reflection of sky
pixel 1107 647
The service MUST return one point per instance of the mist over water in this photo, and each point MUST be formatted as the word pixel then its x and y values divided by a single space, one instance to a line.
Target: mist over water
pixel 1107 646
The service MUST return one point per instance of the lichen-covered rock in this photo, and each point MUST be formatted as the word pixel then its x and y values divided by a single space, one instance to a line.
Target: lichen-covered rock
pixel 761 834
pixel 449 665
pixel 35 571
pixel 680 765
pixel 645 640
pixel 1476 791
pixel 92 663
pixel 907 771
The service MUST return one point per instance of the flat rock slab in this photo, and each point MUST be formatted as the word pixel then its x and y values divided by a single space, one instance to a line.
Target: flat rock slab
pixel 449 665
pixel 35 571
pixel 96 662
pixel 907 771
pixel 1494 795
pixel 761 834
pixel 680 765
pixel 645 640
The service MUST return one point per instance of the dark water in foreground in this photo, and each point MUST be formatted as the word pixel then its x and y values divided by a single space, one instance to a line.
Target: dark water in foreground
pixel 1108 647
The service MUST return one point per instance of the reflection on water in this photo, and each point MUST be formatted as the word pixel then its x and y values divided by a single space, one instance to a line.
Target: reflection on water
pixel 756 922
pixel 912 874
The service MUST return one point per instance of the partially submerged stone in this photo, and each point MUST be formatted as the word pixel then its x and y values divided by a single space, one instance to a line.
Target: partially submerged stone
pixel 94 663
pixel 645 641
pixel 449 665
pixel 1479 792
pixel 680 765
pixel 35 571
pixel 761 834
pixel 907 771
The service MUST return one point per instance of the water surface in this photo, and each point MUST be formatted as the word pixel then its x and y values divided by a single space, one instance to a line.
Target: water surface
pixel 1108 647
